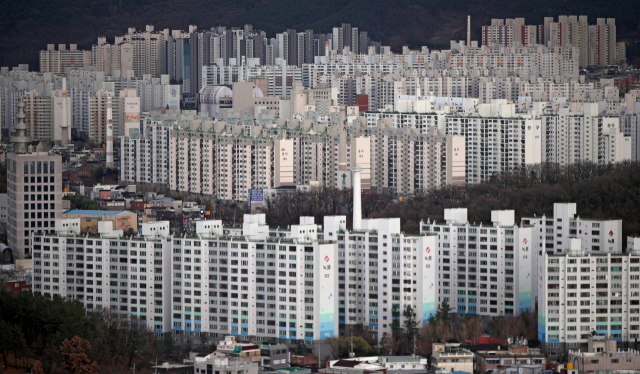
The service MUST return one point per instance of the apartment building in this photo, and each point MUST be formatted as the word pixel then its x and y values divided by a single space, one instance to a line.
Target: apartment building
pixel 584 135
pixel 554 232
pixel 124 106
pixel 184 310
pixel 57 61
pixel 405 161
pixel 145 156
pixel 495 144
pixel 586 294
pixel 49 117
pixel 501 33
pixel 483 270
pixel 280 79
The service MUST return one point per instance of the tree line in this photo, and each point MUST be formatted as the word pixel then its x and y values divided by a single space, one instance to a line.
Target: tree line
pixel 413 336
pixel 56 335
pixel 445 324
pixel 599 191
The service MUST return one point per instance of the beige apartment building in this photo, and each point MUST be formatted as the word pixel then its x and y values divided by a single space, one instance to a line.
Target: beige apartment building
pixel 53 61
pixel 125 107
pixel 49 118
pixel 221 159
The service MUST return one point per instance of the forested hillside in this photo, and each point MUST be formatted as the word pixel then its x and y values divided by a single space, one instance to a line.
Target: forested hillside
pixel 27 26
pixel 599 191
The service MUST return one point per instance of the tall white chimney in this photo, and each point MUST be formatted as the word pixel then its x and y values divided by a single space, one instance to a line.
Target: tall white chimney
pixel 357 200
pixel 468 31
pixel 109 133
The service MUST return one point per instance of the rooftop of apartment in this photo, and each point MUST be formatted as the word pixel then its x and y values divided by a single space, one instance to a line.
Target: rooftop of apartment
pixel 572 218
pixel 95 212
pixel 532 352
pixel 485 225
pixel 621 352
pixel 570 253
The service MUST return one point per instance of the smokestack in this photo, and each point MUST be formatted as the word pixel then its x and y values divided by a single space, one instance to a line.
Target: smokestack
pixel 109 134
pixel 468 31
pixel 357 201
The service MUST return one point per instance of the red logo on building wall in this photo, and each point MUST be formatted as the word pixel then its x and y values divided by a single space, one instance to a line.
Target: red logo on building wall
pixel 326 258
pixel 525 241
pixel 428 250
pixel 611 233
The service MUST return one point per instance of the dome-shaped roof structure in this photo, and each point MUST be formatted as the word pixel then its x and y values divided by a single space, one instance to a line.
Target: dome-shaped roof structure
pixel 213 98
pixel 212 94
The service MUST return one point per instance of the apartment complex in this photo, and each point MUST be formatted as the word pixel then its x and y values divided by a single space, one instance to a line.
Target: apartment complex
pixel 183 54
pixel 597 43
pixel 226 158
pixel 302 284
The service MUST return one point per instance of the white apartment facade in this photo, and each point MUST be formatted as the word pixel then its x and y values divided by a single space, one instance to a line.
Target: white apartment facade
pixel 553 234
pixel 586 293
pixel 253 282
pixel 496 144
pixel 483 270
pixel 188 286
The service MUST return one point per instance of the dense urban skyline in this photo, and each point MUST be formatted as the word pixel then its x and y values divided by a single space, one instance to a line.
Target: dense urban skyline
pixel 252 192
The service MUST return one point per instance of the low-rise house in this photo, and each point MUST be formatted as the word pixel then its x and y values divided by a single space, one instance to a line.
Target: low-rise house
pixel 208 364
pixel 386 364
pixel 604 356
pixel 241 352
pixel 172 368
pixel 450 356
pixel 517 353
pixel 273 355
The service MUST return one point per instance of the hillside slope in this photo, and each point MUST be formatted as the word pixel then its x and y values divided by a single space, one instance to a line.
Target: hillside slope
pixel 27 26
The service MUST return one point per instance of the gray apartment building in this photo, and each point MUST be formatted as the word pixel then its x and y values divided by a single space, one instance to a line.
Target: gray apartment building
pixel 34 190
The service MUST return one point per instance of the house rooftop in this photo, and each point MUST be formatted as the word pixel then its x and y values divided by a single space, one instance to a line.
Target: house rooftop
pixel 95 212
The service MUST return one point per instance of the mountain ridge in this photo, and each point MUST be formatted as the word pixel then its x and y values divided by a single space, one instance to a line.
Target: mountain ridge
pixel 26 27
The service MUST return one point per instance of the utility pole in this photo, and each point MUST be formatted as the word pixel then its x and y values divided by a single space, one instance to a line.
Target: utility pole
pixel 319 356
pixel 351 354
pixel 414 345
